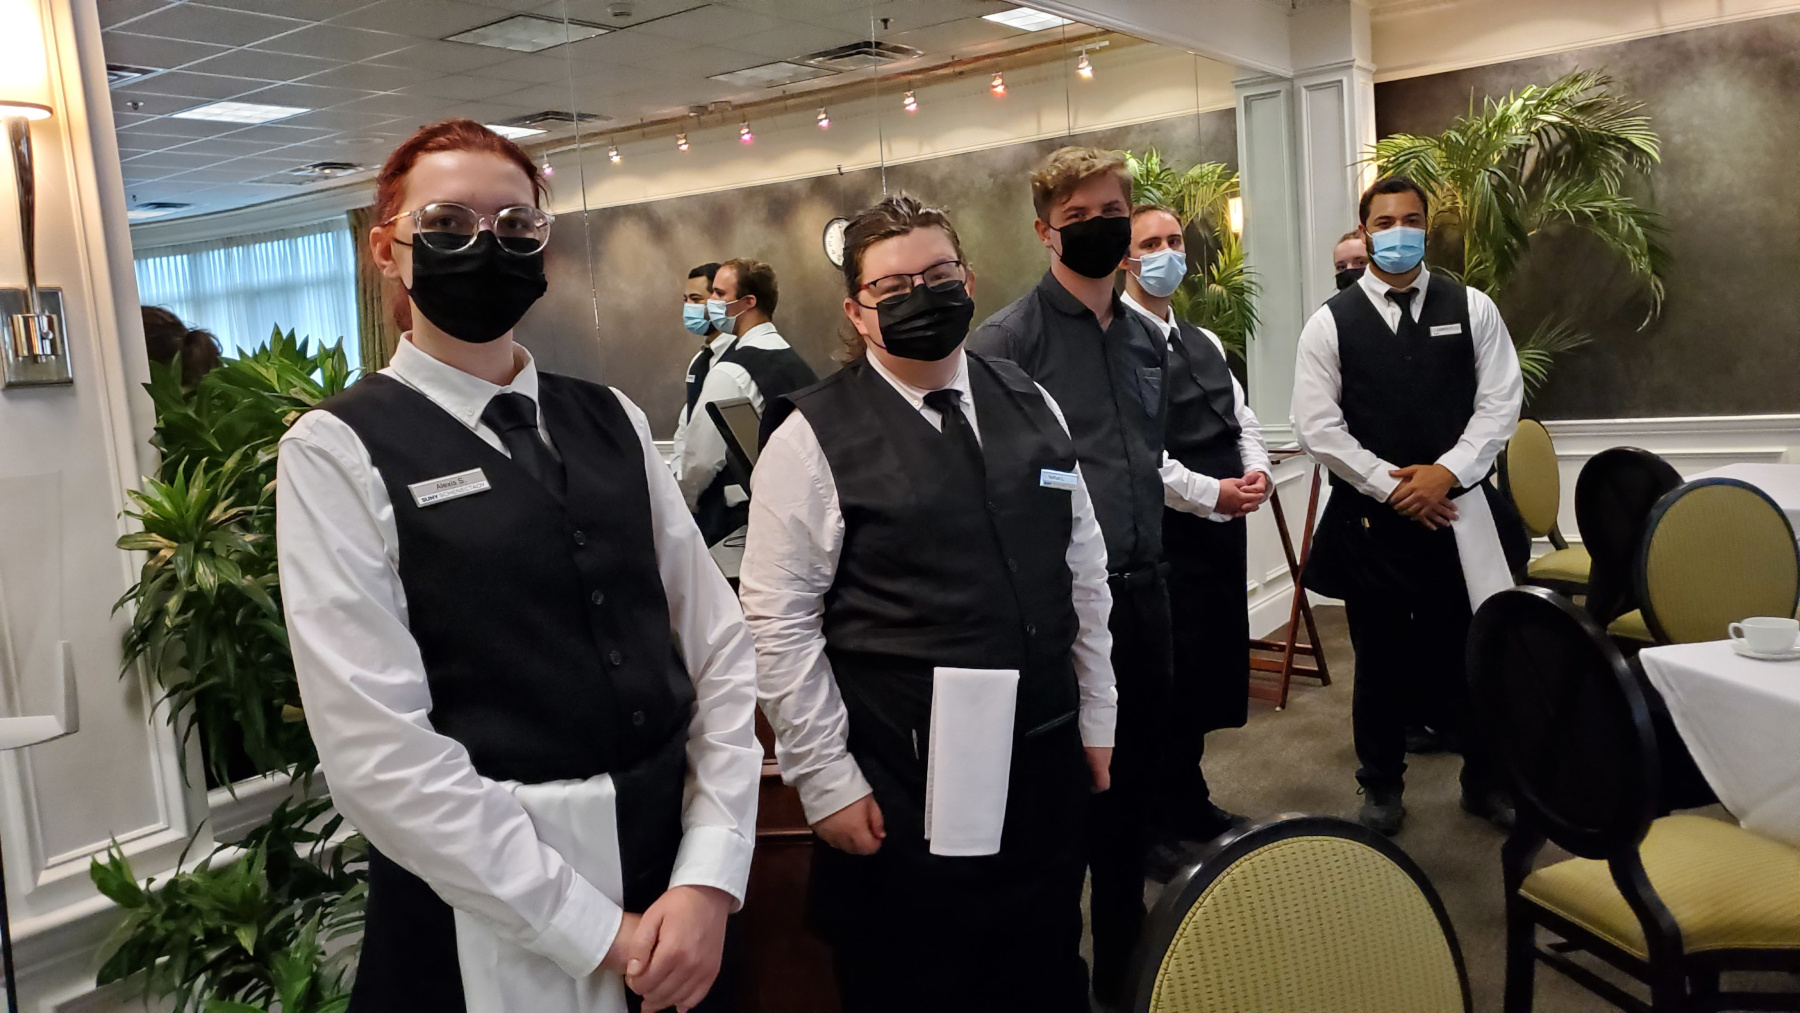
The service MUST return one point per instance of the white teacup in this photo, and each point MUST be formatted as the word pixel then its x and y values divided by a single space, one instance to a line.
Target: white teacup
pixel 1766 634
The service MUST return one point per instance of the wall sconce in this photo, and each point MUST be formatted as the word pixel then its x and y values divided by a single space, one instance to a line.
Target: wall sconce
pixel 1234 212
pixel 35 347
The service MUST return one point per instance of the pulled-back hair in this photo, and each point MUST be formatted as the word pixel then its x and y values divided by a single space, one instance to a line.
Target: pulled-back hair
pixel 889 218
pixel 447 135
pixel 168 340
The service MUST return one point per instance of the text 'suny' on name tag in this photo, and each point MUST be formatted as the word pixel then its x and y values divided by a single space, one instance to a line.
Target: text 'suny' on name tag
pixel 437 490
pixel 1050 478
pixel 1439 330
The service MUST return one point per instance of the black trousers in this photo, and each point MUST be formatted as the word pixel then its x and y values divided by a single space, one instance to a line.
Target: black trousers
pixel 1409 666
pixel 1123 817
pixel 1210 618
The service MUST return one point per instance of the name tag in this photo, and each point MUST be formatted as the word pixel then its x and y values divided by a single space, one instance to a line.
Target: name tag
pixel 1439 330
pixel 1050 478
pixel 690 378
pixel 437 490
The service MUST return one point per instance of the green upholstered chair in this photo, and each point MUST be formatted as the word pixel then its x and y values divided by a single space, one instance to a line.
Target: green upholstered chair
pixel 1300 913
pixel 1673 902
pixel 1715 552
pixel 1530 477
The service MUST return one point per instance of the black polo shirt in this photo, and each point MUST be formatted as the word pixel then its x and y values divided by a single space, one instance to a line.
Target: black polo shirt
pixel 1109 385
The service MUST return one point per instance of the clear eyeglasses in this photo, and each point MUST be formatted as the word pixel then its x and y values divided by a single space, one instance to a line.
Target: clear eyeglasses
pixel 899 286
pixel 452 228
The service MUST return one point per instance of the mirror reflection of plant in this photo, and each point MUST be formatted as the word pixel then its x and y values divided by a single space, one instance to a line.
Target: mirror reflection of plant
pixel 250 926
pixel 1219 292
pixel 1543 159
pixel 206 617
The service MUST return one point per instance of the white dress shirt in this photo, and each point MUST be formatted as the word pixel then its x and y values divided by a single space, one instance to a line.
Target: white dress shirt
pixel 700 450
pixel 1499 392
pixel 719 343
pixel 1190 491
pixel 413 791
pixel 790 560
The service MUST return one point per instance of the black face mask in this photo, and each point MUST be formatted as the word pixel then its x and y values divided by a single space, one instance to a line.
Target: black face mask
pixel 928 323
pixel 1348 277
pixel 477 294
pixel 1093 247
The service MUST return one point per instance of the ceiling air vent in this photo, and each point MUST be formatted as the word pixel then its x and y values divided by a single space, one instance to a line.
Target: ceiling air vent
pixel 550 119
pixel 862 56
pixel 325 170
pixel 119 73
pixel 153 209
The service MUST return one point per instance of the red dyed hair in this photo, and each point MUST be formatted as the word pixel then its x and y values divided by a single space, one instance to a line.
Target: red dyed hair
pixel 448 135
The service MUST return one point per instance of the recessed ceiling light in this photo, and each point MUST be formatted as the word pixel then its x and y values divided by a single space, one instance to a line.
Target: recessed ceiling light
pixel 528 33
pixel 512 133
pixel 239 112
pixel 771 75
pixel 1025 19
pixel 119 73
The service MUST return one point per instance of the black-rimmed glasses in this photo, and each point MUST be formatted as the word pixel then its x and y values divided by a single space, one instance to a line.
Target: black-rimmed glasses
pixel 899 286
pixel 452 228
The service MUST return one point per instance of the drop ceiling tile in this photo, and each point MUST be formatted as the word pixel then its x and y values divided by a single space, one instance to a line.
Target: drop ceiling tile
pixel 599 12
pixel 335 42
pixel 142 104
pixel 256 64
pixel 123 120
pixel 708 24
pixel 220 147
pixel 705 61
pixel 151 137
pixel 306 96
pixel 305 10
pixel 425 18
pixel 954 38
pixel 538 68
pixel 279 134
pixel 447 57
pixel 397 104
pixel 630 47
pixel 220 174
pixel 113 12
pixel 369 77
pixel 467 88
pixel 171 160
pixel 181 82
pixel 340 119
pixel 218 25
pixel 190 129
pixel 145 51
pixel 261 165
pixel 542 96
pixel 792 41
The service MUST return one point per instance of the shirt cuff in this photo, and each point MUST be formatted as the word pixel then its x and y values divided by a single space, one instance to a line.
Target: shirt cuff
pixel 1380 485
pixel 1460 461
pixel 831 788
pixel 718 857
pixel 582 932
pixel 1097 724
pixel 1199 494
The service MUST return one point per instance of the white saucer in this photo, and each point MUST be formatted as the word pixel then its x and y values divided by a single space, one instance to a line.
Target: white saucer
pixel 1791 654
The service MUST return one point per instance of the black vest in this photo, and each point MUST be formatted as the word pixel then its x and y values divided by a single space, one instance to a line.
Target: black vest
pixel 542 622
pixel 1202 428
pixel 776 373
pixel 941 566
pixel 1407 395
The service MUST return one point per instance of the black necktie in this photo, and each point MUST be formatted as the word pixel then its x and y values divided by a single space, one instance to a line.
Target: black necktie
pixel 957 430
pixel 702 363
pixel 514 417
pixel 1407 330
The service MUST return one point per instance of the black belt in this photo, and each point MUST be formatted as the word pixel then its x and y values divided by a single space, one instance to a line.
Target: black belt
pixel 1142 577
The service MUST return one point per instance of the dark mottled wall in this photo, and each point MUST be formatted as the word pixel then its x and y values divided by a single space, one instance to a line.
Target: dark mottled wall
pixel 1724 100
pixel 642 252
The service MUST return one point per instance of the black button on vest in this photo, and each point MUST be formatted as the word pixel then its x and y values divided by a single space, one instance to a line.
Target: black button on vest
pixel 1203 429
pixel 542 621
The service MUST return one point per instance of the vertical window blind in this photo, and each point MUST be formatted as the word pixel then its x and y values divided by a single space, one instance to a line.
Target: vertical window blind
pixel 241 288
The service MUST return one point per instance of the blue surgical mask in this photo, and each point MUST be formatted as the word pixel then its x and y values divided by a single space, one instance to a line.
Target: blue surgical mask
pixel 1397 250
pixel 715 313
pixel 1161 272
pixel 693 317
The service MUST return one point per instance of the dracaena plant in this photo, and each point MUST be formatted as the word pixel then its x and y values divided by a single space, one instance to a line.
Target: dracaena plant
pixel 1545 159
pixel 1220 294
pixel 257 925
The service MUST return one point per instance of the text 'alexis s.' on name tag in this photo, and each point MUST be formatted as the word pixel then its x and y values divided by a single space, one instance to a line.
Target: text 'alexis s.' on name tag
pixel 437 490
pixel 1439 330
pixel 1050 478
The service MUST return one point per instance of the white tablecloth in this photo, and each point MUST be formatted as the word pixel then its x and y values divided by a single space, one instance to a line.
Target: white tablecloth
pixel 1780 481
pixel 1741 720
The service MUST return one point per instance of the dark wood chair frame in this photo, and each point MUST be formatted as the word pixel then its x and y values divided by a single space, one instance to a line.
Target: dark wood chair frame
pixel 1611 592
pixel 1679 982
pixel 1186 889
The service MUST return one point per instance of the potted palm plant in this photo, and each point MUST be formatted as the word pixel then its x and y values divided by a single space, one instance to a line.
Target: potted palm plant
pixel 1555 158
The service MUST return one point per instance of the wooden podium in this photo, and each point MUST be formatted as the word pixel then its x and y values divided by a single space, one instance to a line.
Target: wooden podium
pixel 1270 677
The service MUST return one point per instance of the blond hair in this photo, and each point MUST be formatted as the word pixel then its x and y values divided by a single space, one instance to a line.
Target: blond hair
pixel 1067 169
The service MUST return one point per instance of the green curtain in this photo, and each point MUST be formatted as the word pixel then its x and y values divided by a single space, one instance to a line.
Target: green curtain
pixel 375 326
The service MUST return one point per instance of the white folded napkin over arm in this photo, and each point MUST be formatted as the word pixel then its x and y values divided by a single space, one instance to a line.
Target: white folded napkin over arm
pixel 970 761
